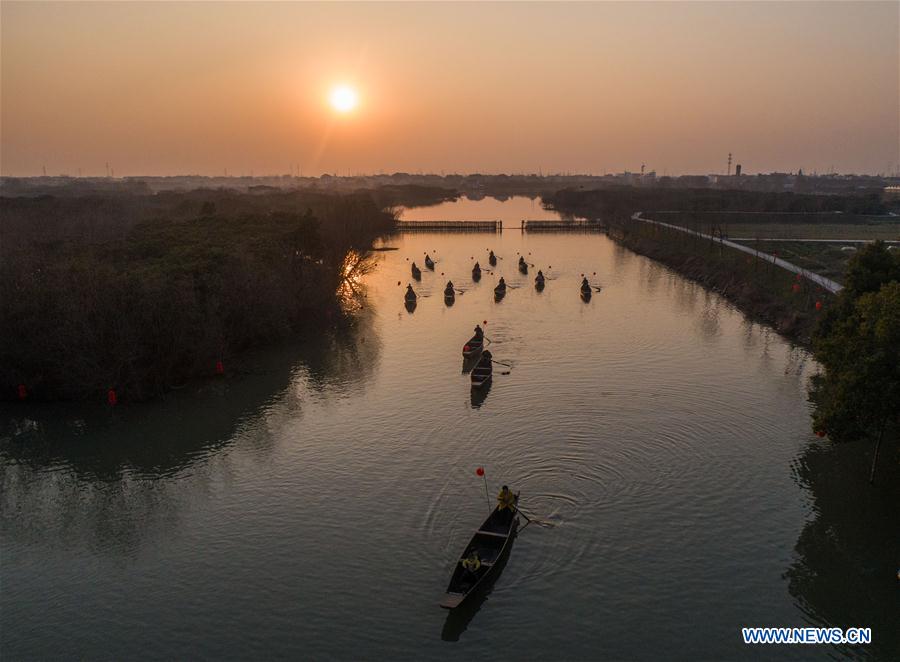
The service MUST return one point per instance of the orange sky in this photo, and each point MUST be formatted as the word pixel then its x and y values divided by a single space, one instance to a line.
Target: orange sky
pixel 162 88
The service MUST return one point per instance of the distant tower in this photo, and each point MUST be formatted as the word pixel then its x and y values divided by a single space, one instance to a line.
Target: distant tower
pixel 44 170
pixel 643 165
pixel 729 163
pixel 737 170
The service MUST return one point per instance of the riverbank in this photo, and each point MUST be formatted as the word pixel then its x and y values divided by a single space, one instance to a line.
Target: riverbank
pixel 785 301
pixel 124 297
pixel 762 291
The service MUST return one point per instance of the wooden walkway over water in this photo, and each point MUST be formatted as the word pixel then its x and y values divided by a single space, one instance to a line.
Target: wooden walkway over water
pixel 451 226
pixel 562 225
pixel 537 225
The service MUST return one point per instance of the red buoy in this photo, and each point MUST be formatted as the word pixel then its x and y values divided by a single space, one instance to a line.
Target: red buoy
pixel 23 392
pixel 484 321
pixel 818 305
pixel 479 471
pixel 220 368
pixel 111 397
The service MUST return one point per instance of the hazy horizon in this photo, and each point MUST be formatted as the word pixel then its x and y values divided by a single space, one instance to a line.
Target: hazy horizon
pixel 201 88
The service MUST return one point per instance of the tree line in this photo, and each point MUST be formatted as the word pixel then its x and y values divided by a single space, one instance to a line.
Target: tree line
pixel 141 293
pixel 857 342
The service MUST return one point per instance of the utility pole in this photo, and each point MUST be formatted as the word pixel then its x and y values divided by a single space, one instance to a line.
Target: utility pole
pixel 729 164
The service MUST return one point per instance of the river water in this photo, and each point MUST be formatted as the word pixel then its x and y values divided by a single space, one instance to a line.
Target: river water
pixel 313 503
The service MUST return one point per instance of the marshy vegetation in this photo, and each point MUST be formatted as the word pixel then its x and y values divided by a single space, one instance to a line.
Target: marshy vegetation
pixel 139 293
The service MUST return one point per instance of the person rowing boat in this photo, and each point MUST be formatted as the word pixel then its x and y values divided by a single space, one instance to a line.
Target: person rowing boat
pixel 539 280
pixel 500 290
pixel 492 259
pixel 475 343
pixel 483 558
pixel 410 293
pixel 585 289
pixel 416 272
pixel 449 292
pixel 429 262
pixel 476 272
pixel 523 265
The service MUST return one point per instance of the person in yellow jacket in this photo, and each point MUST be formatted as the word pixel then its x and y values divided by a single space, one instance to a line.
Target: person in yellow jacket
pixel 472 563
pixel 506 503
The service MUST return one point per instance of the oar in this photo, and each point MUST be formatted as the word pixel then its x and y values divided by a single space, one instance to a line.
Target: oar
pixel 503 364
pixel 535 520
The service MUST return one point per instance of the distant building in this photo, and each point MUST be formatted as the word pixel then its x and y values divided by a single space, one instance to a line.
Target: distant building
pixel 737 170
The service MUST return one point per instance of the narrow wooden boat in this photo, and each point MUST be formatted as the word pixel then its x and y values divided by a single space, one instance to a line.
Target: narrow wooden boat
pixel 410 296
pixel 585 292
pixel 484 371
pixel 499 292
pixel 416 272
pixel 429 263
pixel 523 267
pixel 539 283
pixel 492 542
pixel 476 274
pixel 473 347
pixel 492 259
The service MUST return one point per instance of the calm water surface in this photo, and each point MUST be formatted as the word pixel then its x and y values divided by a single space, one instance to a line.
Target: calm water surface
pixel 313 506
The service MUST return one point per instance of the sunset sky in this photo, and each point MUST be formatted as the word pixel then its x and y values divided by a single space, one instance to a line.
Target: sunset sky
pixel 171 88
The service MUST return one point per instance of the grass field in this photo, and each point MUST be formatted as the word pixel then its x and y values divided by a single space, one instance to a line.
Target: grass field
pixel 888 230
pixel 824 259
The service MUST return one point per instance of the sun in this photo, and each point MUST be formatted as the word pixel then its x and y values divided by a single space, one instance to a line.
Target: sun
pixel 344 98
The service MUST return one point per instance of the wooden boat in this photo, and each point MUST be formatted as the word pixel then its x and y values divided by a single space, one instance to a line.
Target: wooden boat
pixel 473 347
pixel 492 542
pixel 416 272
pixel 500 292
pixel 586 292
pixel 429 263
pixel 492 259
pixel 523 266
pixel 539 283
pixel 484 371
pixel 476 273
pixel 410 296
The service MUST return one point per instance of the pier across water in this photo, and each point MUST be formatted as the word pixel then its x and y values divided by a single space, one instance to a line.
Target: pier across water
pixel 554 225
pixel 448 225
pixel 557 225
